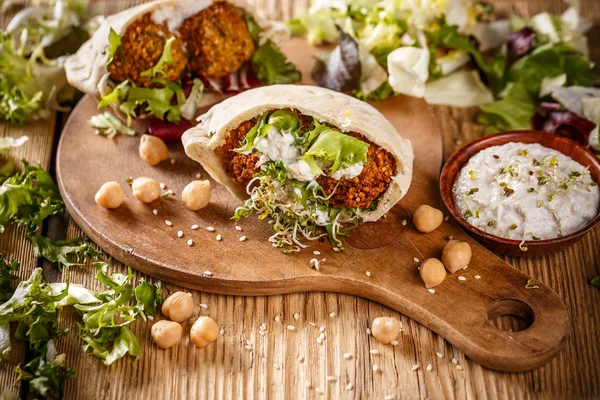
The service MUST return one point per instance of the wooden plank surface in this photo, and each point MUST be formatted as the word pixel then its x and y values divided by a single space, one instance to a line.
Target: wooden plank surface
pixel 271 368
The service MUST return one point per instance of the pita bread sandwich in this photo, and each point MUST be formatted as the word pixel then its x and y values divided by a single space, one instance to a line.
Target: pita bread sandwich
pixel 306 159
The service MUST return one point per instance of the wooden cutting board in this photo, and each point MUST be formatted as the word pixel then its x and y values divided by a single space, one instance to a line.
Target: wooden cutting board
pixel 389 250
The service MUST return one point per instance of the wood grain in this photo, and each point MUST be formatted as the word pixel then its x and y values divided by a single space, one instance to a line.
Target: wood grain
pixel 227 370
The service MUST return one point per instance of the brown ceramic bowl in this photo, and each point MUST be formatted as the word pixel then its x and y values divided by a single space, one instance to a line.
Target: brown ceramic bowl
pixel 507 246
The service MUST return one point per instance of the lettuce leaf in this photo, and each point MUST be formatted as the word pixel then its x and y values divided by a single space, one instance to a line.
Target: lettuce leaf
pixel 338 148
pixel 114 42
pixel 59 250
pixel 271 66
pixel 513 112
pixel 166 58
pixel 7 276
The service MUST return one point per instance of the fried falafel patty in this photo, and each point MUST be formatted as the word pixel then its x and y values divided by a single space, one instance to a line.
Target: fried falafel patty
pixel 358 192
pixel 217 40
pixel 142 45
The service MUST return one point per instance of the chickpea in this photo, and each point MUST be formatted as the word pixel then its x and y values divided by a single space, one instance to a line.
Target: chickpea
pixel 432 272
pixel 427 219
pixel 196 195
pixel 456 255
pixel 204 331
pixel 166 334
pixel 385 329
pixel 153 150
pixel 145 189
pixel 110 195
pixel 178 307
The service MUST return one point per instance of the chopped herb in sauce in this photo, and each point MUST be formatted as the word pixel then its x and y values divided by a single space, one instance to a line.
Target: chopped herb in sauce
pixel 542 180
pixel 512 227
pixel 530 190
pixel 508 192
pixel 468 214
pixel 535 237
pixel 472 174
pixel 536 163
pixel 540 204
pixel 492 223
pixel 550 197
pixel 472 191
pixel 574 174
pixel 524 153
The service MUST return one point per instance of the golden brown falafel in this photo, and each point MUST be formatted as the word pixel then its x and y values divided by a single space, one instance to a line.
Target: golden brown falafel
pixel 142 45
pixel 217 40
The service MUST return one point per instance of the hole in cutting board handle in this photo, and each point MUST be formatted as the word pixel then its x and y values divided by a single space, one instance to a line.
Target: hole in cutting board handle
pixel 512 314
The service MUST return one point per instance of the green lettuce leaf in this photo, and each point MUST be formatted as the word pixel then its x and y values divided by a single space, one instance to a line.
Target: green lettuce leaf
pixel 381 93
pixel 114 42
pixel 271 66
pixel 58 251
pixel 107 124
pixel 253 27
pixel 338 148
pixel 192 103
pixel 166 58
pixel 513 112
pixel 46 373
pixel 596 281
pixel 7 276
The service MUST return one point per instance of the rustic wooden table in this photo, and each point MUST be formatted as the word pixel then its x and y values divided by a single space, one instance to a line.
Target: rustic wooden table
pixel 272 368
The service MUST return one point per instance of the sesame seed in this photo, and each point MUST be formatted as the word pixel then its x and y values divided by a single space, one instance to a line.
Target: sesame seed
pixel 172 161
pixel 404 223
pixel 320 391
pixel 447 218
pixel 276 366
pixel 180 234
pixel 150 317
pixel 291 327
pixel 347 356
pixel 322 329
pixel 375 368
pixel 368 331
pixel 155 211
pixel 431 290
pixel 465 267
pixel 169 223
pixel 320 340
pixel 243 238
pixel 429 367
pixel 462 278
pixel 322 336
pixel 194 227
pixel 373 351
pixel 198 175
pixel 388 397
pixel 312 324
pixel 277 318
pixel 162 185
pixel 368 273
pixel 349 386
pixel 261 333
pixel 248 341
pixel 301 359
pixel 210 229
pixel 204 305
pixel 414 367
pixel 331 379
pixel 222 332
pixel 248 347
pixel 331 315
pixel 296 316
pixel 307 383
pixel 459 367
pixel 416 259
pixel 439 355
pixel 394 343
pixel 454 361
pixel 207 273
pixel 190 242
pixel 336 249
pixel 263 327
pixel 316 252
pixel 238 228
pixel 171 192
pixel 219 238
pixel 477 277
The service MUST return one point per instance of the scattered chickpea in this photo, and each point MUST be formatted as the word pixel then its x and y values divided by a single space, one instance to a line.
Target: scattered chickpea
pixel 204 331
pixel 196 195
pixel 145 189
pixel 166 334
pixel 153 150
pixel 427 219
pixel 110 195
pixel 385 329
pixel 456 255
pixel 178 307
pixel 432 272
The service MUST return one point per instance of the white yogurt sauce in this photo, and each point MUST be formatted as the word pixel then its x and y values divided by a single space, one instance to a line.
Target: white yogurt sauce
pixel 348 171
pixel 174 14
pixel 526 192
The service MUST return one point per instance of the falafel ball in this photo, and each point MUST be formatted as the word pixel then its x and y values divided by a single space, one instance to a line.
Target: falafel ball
pixel 142 45
pixel 217 40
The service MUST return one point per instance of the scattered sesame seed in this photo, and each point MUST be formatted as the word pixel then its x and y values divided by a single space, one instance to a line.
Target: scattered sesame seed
pixel 198 175
pixel 375 368
pixel 477 277
pixel 248 347
pixel 307 383
pixel 416 260
pixel 276 366
pixel 301 359
pixel 347 356
pixel 207 273
pixel 222 332
pixel 336 249
pixel 414 367
pixel 429 367
pixel 373 351
pixel 331 378
pixel 155 211
pixel 316 252
pixel 169 223
pixel 204 305
pixel 271 222
pixel 320 340
pixel 248 341
pixel 194 227
pixel 322 336
pixel 322 329
pixel 349 386
pixel 465 267
pixel 404 223
pixel 331 315
pixel 368 273
pixel 439 355
pixel 454 361
pixel 172 161
pixel 180 234
pixel 150 317
pixel 263 327
pixel 291 327
pixel 447 218
pixel 243 238
pixel 312 324
pixel 388 397
pixel 277 318
pixel 459 367
pixel 210 229
pixel 320 391
pixel 261 333
pixel 162 185
pixel 394 343
pixel 190 242
pixel 171 192
pixel 368 331
pixel 462 278
pixel 296 315
pixel 238 228
pixel 219 238
pixel 431 290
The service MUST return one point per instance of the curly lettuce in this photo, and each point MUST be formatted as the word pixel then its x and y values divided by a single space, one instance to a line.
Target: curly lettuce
pixel 271 66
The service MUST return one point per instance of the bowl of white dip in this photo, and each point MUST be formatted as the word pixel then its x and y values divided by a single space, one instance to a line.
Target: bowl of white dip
pixel 523 193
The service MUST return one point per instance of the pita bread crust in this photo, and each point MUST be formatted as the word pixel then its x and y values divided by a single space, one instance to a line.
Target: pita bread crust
pixel 342 111
pixel 86 70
